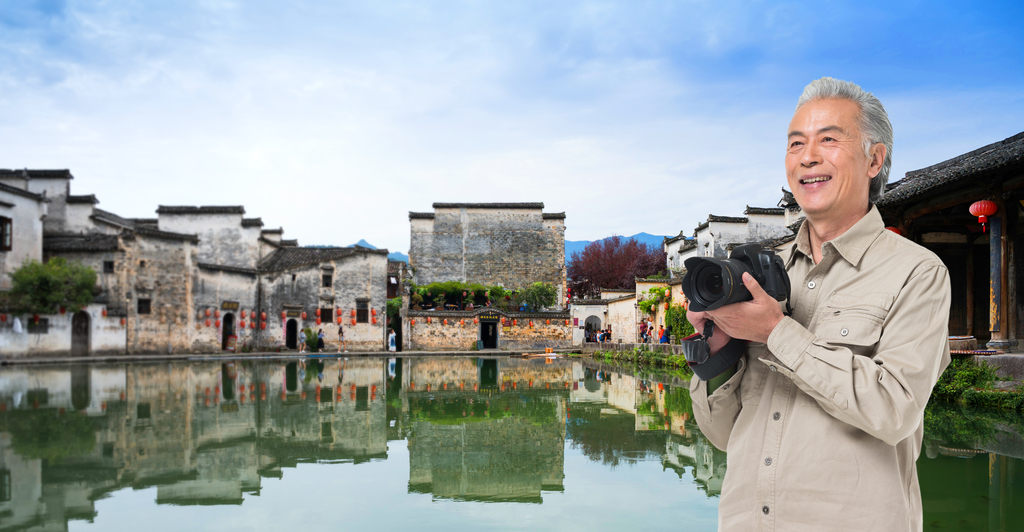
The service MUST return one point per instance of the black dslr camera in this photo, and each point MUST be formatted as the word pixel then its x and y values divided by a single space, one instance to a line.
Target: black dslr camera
pixel 712 283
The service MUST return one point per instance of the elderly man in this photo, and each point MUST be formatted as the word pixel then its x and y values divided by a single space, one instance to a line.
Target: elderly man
pixel 821 415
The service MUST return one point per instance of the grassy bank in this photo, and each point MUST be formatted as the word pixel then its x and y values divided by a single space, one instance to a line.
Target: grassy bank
pixel 674 364
pixel 969 383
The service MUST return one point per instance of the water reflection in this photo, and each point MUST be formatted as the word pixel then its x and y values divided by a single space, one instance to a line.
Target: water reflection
pixel 476 429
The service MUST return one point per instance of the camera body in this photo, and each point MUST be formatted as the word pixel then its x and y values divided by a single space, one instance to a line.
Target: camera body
pixel 712 283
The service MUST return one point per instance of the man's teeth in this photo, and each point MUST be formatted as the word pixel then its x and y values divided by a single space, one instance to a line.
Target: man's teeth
pixel 815 180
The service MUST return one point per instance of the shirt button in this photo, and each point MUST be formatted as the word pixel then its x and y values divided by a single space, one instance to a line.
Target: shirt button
pixel 776 416
pixel 765 510
pixel 767 461
pixel 773 368
pixel 844 332
pixel 725 387
pixel 811 286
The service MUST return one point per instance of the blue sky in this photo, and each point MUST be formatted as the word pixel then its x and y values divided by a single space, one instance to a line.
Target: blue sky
pixel 334 119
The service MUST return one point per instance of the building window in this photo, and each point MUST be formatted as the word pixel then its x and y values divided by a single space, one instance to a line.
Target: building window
pixel 142 411
pixel 326 315
pixel 142 264
pixel 39 327
pixel 362 312
pixel 144 306
pixel 328 281
pixel 108 266
pixel 6 233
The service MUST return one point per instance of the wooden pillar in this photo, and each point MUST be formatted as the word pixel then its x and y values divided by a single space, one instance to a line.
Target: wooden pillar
pixel 970 286
pixel 998 290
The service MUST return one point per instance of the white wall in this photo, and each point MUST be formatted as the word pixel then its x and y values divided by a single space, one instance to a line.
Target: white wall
pixel 27 223
pixel 106 335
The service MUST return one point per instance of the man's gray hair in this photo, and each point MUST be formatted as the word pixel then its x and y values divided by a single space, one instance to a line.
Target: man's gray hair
pixel 873 121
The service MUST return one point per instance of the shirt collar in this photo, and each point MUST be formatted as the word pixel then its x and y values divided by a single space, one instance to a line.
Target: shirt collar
pixel 850 245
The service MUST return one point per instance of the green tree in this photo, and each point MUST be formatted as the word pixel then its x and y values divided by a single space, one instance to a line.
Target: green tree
pixel 538 295
pixel 44 288
pixel 676 322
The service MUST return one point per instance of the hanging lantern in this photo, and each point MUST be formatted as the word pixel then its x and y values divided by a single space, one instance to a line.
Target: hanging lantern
pixel 983 209
pixel 207 313
pixel 446 321
pixel 531 324
pixel 374 320
pixel 515 322
pixel 429 320
pixel 241 324
pixel 548 322
pixel 263 325
pixel 103 312
pixel 412 322
pixel 303 314
pixel 35 318
pixel 668 292
pixel 339 320
pixel 284 315
pixel 263 315
pixel 318 321
pixel 216 314
pixel 122 322
pixel 462 322
pixel 567 322
pixel 475 321
pixel 353 321
pixel 895 230
pixel 353 313
pixel 243 314
pixel 252 324
pixel 207 323
pixel 63 310
pixel 3 317
pixel 373 312
pixel 217 323
pixel 318 313
pixel 337 312
pixel 463 294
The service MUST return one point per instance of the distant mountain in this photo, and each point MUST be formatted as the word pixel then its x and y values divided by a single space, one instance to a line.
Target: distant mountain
pixel 572 246
pixel 394 255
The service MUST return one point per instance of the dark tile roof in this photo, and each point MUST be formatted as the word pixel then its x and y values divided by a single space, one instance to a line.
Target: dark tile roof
pixel 553 216
pixel 252 222
pixel 668 240
pixel 294 257
pixel 395 267
pixel 278 231
pixel 630 290
pixel 166 235
pixel 553 315
pixel 984 160
pixel 224 268
pixel 91 198
pixel 89 242
pixel 19 192
pixel 38 174
pixel 288 243
pixel 764 210
pixel 269 242
pixel 206 209
pixel 671 281
pixel 101 215
pixel 145 221
pixel 788 202
pixel 488 205
pixel 603 301
pixel 421 216
pixel 688 245
pixel 728 219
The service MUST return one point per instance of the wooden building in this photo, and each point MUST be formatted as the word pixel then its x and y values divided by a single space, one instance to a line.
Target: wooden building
pixel 932 206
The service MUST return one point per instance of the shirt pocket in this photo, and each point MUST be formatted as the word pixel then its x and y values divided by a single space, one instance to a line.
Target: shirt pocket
pixel 854 321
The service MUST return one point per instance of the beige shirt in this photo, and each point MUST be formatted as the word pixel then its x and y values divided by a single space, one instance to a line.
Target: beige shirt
pixel 823 425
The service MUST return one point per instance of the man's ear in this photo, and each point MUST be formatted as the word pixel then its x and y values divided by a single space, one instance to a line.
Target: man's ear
pixel 877 155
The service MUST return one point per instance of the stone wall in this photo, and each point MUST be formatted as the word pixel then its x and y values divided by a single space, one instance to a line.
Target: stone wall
pixel 508 246
pixel 160 270
pixel 428 331
pixel 227 293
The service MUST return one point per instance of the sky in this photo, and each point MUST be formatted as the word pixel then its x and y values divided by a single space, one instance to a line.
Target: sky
pixel 334 119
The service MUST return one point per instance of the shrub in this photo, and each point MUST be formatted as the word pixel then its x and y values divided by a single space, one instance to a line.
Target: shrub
pixel 962 375
pixel 44 288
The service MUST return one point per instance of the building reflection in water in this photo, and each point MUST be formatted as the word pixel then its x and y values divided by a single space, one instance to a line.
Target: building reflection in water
pixel 478 429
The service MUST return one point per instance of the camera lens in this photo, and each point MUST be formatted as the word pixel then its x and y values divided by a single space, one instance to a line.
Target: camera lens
pixel 708 283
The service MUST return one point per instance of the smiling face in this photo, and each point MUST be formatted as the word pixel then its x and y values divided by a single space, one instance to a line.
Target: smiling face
pixel 826 166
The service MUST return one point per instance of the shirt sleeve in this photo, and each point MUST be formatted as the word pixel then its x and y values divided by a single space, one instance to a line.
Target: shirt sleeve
pixel 716 413
pixel 884 394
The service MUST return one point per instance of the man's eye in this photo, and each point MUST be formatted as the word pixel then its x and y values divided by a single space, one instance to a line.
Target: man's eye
pixel 795 143
pixel 828 139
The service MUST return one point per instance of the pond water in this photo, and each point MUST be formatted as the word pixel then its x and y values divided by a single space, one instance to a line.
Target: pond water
pixel 434 443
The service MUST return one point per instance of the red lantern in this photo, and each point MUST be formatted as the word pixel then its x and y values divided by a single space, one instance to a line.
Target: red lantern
pixel 243 314
pixel 318 314
pixel 252 325
pixel 374 320
pixel 462 322
pixel 983 209
pixel 284 315
pixel 104 312
pixel 446 321
pixel 216 314
pixel 303 314
pixel 339 320
pixel 263 325
pixel 429 320
pixel 217 323
pixel 35 318
pixel 207 313
pixel 895 230
pixel 353 313
pixel 547 322
pixel 207 323
pixel 3 317
pixel 412 322
pixel 263 315
pixel 353 321
pixel 122 322
pixel 63 310
pixel 531 324
pixel 241 324
pixel 318 321
pixel 373 312
pixel 514 322
pixel 567 322
pixel 475 321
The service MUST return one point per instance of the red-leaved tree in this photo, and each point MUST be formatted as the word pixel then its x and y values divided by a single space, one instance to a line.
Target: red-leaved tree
pixel 612 263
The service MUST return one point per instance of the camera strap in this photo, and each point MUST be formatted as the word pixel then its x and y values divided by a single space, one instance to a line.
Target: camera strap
pixel 698 354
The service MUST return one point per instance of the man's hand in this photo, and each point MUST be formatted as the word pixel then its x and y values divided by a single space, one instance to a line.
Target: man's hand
pixel 718 338
pixel 747 320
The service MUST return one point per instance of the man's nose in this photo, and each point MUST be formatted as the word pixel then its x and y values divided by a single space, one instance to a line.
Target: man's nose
pixel 811 155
